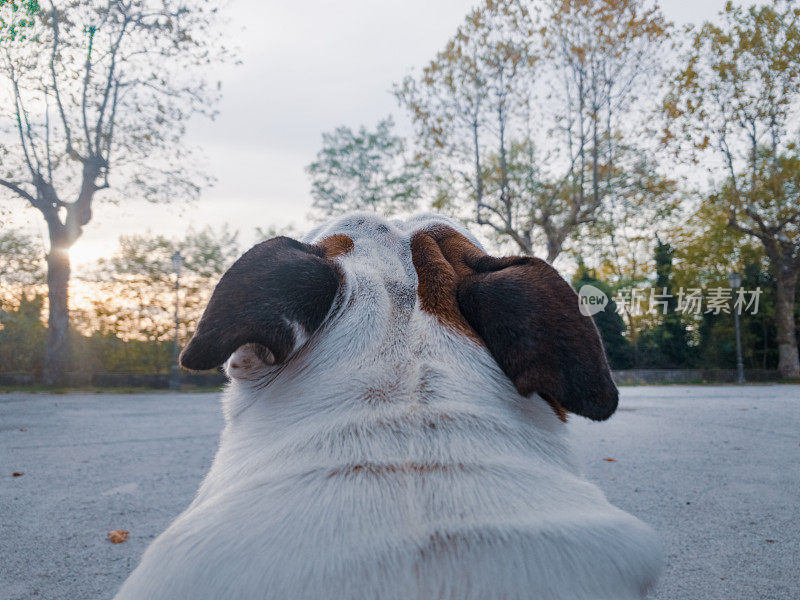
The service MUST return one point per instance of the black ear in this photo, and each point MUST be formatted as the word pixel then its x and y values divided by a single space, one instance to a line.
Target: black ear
pixel 278 290
pixel 530 321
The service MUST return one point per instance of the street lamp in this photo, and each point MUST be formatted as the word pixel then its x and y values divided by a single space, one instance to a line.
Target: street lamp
pixel 736 281
pixel 175 373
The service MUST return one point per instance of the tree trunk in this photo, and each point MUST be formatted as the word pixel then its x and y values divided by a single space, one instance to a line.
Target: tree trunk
pixel 553 250
pixel 788 362
pixel 57 355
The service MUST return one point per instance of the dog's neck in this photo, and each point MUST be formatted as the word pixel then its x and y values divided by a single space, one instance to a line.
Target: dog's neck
pixel 417 455
pixel 386 399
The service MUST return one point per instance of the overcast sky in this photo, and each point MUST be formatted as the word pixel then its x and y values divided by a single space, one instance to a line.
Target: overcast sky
pixel 307 67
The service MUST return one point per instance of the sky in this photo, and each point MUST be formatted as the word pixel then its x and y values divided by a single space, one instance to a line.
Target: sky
pixel 306 68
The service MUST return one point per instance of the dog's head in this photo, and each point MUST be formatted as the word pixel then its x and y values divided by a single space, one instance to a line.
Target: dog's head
pixel 391 287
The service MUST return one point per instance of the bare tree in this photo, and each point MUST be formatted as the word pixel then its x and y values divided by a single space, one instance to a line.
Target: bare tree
pixel 103 86
pixel 542 164
pixel 602 56
pixel 466 103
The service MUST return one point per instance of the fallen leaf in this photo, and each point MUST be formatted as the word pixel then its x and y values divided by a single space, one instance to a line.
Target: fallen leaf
pixel 771 541
pixel 118 536
pixel 18 473
pixel 610 459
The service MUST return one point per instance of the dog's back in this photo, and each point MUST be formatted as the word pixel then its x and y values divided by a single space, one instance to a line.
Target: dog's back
pixel 393 455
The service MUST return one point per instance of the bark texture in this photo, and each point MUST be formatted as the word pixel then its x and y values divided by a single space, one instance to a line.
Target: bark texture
pixel 57 355
pixel 788 359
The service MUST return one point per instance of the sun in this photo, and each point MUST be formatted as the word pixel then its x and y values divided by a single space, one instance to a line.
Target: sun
pixel 87 252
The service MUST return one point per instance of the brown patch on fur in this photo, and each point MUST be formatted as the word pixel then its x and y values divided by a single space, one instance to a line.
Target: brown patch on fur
pixel 561 413
pixel 336 245
pixel 374 395
pixel 438 282
pixel 406 468
pixel 440 542
pixel 379 395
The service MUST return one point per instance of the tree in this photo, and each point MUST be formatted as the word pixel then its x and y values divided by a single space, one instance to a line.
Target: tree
pixel 464 105
pixel 609 322
pixel 21 258
pixel 102 87
pixel 537 168
pixel 737 98
pixel 364 171
pixel 622 240
pixel 603 56
pixel 129 323
pixel 706 250
pixel 669 341
pixel 22 333
pixel 758 330
pixel 138 283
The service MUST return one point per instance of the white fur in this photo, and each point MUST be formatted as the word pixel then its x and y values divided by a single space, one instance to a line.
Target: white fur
pixel 467 490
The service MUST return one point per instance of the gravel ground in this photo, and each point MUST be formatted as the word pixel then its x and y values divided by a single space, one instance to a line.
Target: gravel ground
pixel 716 470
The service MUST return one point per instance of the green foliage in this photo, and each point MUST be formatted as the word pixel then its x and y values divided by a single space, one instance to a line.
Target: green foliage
pixel 129 324
pixel 610 324
pixel 668 344
pixel 737 99
pixel 716 334
pixel 706 251
pixel 759 334
pixel 136 285
pixel 108 353
pixel 364 170
pixel 21 259
pixel 739 83
pixel 22 335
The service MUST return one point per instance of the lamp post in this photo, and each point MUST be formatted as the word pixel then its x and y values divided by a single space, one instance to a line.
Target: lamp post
pixel 175 373
pixel 736 281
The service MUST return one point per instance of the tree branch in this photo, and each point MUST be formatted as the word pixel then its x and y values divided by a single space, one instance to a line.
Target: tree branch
pixel 110 81
pixel 734 223
pixel 18 191
pixel 18 109
pixel 110 135
pixel 67 133
pixel 47 134
pixel 86 79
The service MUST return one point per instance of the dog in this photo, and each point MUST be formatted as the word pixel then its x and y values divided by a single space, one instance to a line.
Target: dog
pixel 395 430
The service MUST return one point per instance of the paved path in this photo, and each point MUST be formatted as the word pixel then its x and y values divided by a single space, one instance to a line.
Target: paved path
pixel 716 470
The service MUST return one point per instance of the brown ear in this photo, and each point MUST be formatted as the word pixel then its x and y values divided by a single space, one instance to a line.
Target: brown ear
pixel 530 320
pixel 278 290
